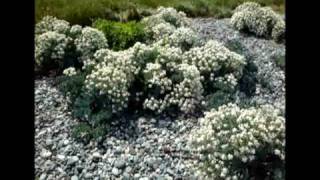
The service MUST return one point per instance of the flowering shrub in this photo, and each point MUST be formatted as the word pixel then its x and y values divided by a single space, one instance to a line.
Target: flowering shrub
pixel 219 67
pixel 258 20
pixel 50 23
pixel 278 31
pixel 71 71
pixel 247 6
pixel 182 37
pixel 89 42
pixel 50 49
pixel 163 22
pixel 232 140
pixel 184 92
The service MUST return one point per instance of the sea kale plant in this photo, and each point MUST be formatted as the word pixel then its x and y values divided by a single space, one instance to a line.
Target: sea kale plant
pixel 233 143
pixel 261 21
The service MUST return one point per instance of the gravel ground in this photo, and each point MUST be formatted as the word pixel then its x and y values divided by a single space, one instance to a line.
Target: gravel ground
pixel 145 148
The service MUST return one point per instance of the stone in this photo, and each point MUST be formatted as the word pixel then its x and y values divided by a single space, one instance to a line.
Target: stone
pixel 115 171
pixel 120 163
pixel 72 160
pixel 43 176
pixel 45 153
pixel 74 178
pixel 61 157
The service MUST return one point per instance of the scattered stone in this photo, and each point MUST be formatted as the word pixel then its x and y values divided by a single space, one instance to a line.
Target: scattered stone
pixel 116 171
pixel 74 178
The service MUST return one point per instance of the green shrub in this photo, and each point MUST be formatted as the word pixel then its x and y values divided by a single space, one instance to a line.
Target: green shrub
pixel 83 132
pixel 120 35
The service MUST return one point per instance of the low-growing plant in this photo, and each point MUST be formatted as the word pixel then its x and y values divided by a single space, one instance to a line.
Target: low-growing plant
pixel 233 143
pixel 261 21
pixel 121 35
pixel 280 61
pixel 59 45
pixel 83 132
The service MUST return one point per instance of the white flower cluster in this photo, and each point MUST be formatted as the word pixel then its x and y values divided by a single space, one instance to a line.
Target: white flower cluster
pixel 112 75
pixel 169 57
pixel 71 71
pixel 55 37
pixel 164 22
pixel 50 23
pixel 255 19
pixel 182 37
pixel 50 45
pixel 186 95
pixel 278 31
pixel 247 6
pixel 75 31
pixel 231 137
pixel 162 30
pixel 213 57
pixel 89 41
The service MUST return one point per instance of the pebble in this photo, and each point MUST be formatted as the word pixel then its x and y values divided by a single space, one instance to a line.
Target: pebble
pixel 115 171
pixel 74 178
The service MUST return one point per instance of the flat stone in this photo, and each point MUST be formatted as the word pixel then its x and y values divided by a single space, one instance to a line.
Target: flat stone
pixel 120 163
pixel 73 160
pixel 115 171
pixel 45 153
pixel 74 178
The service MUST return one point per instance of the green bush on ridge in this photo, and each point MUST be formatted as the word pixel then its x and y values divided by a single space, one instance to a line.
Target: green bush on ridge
pixel 120 35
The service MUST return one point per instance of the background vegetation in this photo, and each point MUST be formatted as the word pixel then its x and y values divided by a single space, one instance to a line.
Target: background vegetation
pixel 84 12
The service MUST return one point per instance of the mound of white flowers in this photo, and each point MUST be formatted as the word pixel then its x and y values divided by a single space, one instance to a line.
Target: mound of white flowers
pixel 262 21
pixel 230 139
pixel 56 41
pixel 174 71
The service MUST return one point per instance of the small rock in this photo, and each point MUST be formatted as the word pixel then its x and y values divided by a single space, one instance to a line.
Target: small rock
pixel 115 171
pixel 65 142
pixel 72 160
pixel 169 171
pixel 96 156
pixel 137 175
pixel 144 178
pixel 74 178
pixel 45 154
pixel 49 142
pixel 43 176
pixel 120 163
pixel 60 157
pixel 88 175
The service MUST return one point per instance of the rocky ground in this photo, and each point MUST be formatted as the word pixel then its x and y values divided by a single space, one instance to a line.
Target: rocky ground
pixel 146 148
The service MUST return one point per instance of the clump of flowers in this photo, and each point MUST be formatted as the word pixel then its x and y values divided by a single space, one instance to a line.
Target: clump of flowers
pixel 278 31
pixel 50 49
pixel 183 92
pixel 71 71
pixel 216 64
pixel 89 42
pixel 247 6
pixel 232 142
pixel 258 20
pixel 162 30
pixel 164 22
pixel 182 37
pixel 50 23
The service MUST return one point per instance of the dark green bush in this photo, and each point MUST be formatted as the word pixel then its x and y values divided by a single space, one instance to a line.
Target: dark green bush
pixel 83 132
pixel 280 61
pixel 120 35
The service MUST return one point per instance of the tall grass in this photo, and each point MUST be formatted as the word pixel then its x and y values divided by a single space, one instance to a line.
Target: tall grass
pixel 85 11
